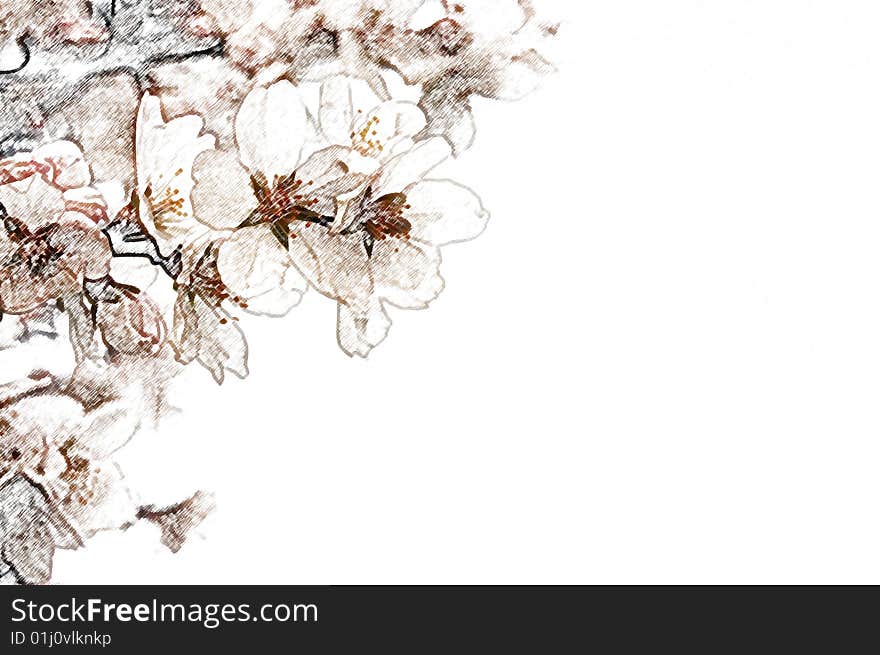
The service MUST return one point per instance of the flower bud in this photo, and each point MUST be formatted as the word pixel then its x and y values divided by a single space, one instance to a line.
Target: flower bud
pixel 130 323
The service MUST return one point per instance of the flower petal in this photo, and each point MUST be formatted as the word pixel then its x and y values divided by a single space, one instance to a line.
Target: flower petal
pixel 216 97
pixel 33 201
pixel 359 332
pixel 165 152
pixel 43 418
pixel 336 265
pixel 336 113
pixel 444 212
pixel 222 196
pixel 406 273
pixel 327 176
pixel 69 167
pixel 99 500
pixel 388 129
pixel 520 76
pixel 207 333
pixel 254 266
pixel 270 129
pixel 109 427
pixel 87 202
pixel 411 166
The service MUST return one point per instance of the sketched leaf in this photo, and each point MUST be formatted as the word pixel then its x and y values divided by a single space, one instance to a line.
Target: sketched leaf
pixel 254 218
pixel 280 231
pixel 27 532
pixel 178 520
pixel 225 193
pixel 205 332
pixel 260 186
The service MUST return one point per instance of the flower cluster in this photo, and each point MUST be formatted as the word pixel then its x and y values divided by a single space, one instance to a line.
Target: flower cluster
pixel 167 166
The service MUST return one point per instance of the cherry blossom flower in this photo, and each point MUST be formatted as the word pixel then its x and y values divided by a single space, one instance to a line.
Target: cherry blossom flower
pixel 59 483
pixel 371 131
pixel 50 22
pixel 382 248
pixel 387 248
pixel 164 153
pixel 370 240
pixel 362 133
pixel 488 48
pixel 262 187
pixel 61 445
pixel 50 240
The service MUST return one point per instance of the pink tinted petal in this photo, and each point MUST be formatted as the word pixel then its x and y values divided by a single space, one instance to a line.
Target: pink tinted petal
pixel 88 202
pixel 17 169
pixel 69 167
pixel 83 31
pixel 336 265
pixel 33 201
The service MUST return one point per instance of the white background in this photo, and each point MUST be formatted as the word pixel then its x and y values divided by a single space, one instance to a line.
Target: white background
pixel 660 364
